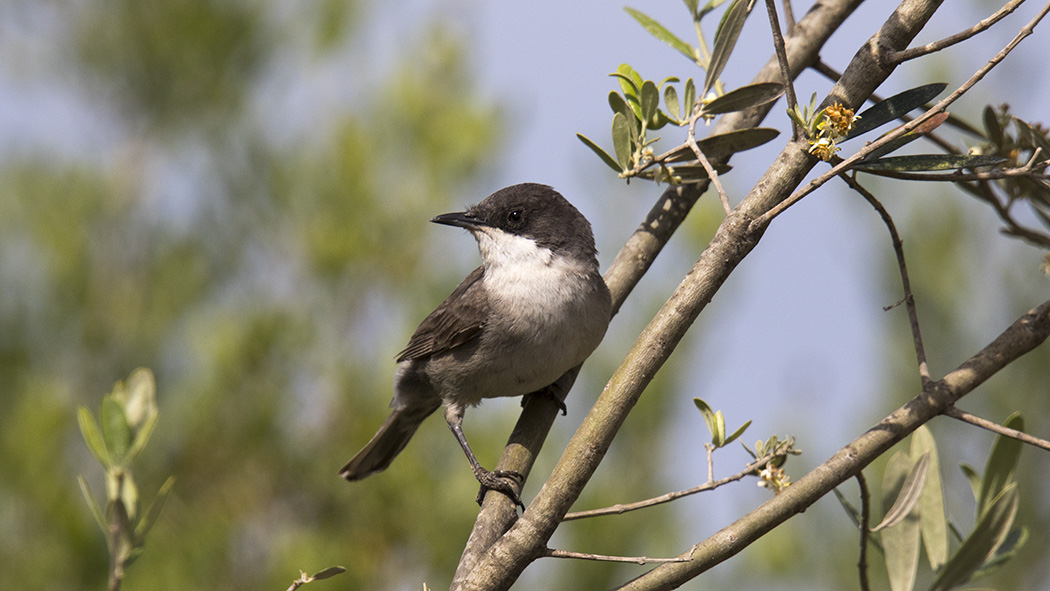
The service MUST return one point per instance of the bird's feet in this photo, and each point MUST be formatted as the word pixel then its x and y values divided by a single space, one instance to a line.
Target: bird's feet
pixel 503 481
pixel 547 394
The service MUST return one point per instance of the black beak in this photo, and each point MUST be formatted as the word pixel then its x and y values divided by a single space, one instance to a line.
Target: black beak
pixel 463 219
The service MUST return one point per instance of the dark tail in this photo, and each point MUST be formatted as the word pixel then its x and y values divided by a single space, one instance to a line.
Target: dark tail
pixel 388 441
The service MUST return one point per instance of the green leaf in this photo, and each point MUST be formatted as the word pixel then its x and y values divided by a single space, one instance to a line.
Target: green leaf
pixel 1002 462
pixel 708 414
pixel 900 542
pixel 93 506
pixel 692 5
pixel 328 572
pixel 740 431
pixel 892 108
pixel 691 173
pixel 719 437
pixel 630 83
pixel 93 436
pixel 621 134
pixel 725 40
pixel 973 478
pixel 650 100
pixel 115 429
pixel 689 100
pixel 657 30
pixel 992 127
pixel 129 496
pixel 709 8
pixel 140 402
pixel 671 101
pixel 907 138
pixel 149 518
pixel 1032 137
pixel 933 519
pixel 606 158
pixel 744 97
pixel 908 497
pixel 929 162
pixel 980 546
pixel 725 144
pixel 1013 542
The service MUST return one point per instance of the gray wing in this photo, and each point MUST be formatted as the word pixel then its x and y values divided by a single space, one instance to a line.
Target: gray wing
pixel 457 321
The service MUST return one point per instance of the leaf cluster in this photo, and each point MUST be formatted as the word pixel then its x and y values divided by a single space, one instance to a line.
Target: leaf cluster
pixel 126 420
pixel 915 515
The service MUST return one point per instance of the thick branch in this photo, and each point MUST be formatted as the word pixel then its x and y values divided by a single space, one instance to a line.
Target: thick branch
pixel 1025 334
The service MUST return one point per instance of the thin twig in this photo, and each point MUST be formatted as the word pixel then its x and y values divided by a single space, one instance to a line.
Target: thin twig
pixel 1027 170
pixel 897 57
pixel 606 558
pixel 966 417
pixel 763 220
pixel 785 69
pixel 710 449
pixel 711 172
pixel 666 498
pixel 865 516
pixel 909 298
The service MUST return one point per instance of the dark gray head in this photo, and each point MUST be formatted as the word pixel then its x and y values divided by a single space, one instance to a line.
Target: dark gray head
pixel 532 211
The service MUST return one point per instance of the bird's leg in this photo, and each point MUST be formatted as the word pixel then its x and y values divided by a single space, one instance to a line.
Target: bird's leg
pixel 490 479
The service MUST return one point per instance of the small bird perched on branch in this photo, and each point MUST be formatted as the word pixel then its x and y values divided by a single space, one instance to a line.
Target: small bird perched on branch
pixel 534 310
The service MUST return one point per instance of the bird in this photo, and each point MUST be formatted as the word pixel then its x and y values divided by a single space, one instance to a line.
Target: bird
pixel 534 309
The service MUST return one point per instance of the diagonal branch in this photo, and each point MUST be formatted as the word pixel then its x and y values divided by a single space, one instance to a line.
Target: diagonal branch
pixel 1025 334
pixel 914 52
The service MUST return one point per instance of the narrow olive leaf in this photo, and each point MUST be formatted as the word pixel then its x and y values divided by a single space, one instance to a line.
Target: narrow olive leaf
pixel 725 144
pixel 725 40
pixel 993 130
pixel 744 97
pixel 618 104
pixel 707 412
pixel 740 431
pixel 671 101
pixel 621 134
pixel 1013 542
pixel 892 108
pixel 709 8
pixel 692 5
pixel 1002 462
pixel 129 496
pixel 908 497
pixel 911 136
pixel 328 572
pixel 1033 137
pixel 93 506
pixel 987 535
pixel 719 436
pixel 690 98
pixel 691 173
pixel 606 158
pixel 149 518
pixel 660 32
pixel 141 437
pixel 900 542
pixel 630 80
pixel 115 429
pixel 650 100
pixel 933 518
pixel 93 436
pixel 929 162
pixel 973 478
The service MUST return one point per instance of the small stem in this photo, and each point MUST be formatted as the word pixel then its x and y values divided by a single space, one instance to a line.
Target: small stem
pixel 666 498
pixel 909 299
pixel 865 516
pixel 914 52
pixel 785 69
pixel 607 558
pixel 966 417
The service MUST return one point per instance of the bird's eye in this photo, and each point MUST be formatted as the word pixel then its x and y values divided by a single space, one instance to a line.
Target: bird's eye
pixel 515 217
